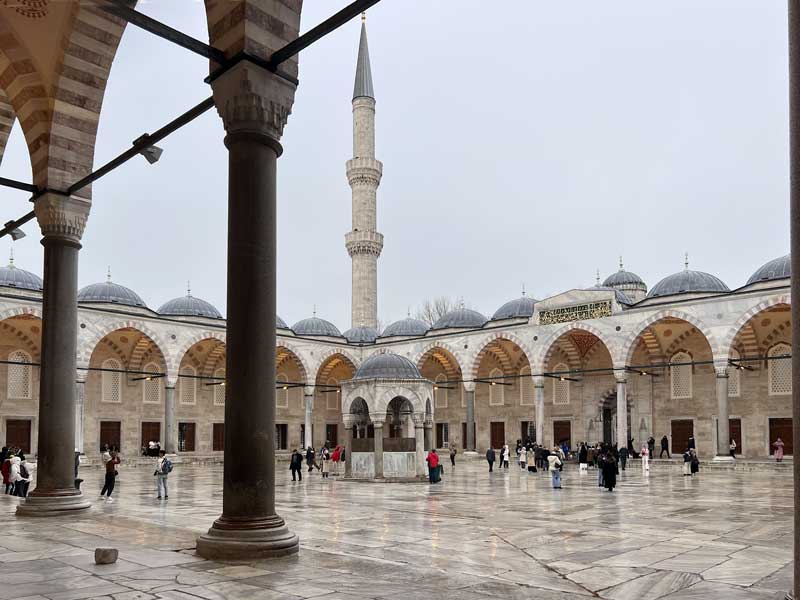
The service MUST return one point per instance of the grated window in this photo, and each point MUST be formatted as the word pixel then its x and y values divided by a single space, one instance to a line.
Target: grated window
pixel 112 381
pixel 332 397
pixel 188 385
pixel 560 388
pixel 151 390
pixel 282 393
pixel 734 377
pixel 780 370
pixel 680 376
pixel 219 390
pixel 19 375
pixel 526 394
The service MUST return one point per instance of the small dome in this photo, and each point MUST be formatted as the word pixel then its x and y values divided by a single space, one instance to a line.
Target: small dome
pixel 280 323
pixel 623 277
pixel 687 281
pixel 460 318
pixel 519 308
pixel 407 327
pixel 387 366
pixel 620 296
pixel 779 268
pixel 314 326
pixel 11 276
pixel 361 335
pixel 189 306
pixel 111 293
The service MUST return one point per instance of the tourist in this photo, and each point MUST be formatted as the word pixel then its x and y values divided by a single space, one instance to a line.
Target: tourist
pixel 296 465
pixel 544 453
pixel 453 452
pixel 664 447
pixel 695 462
pixel 555 465
pixel 691 443
pixel 433 466
pixel 778 445
pixel 5 469
pixel 324 458
pixel 19 476
pixel 583 457
pixel 623 457
pixel 111 474
pixel 651 446
pixel 105 455
pixel 504 455
pixel 521 455
pixel 531 458
pixel 600 457
pixel 687 463
pixel 490 458
pixel 311 460
pixel 609 469
pixel 732 448
pixel 645 458
pixel 163 469
pixel 336 456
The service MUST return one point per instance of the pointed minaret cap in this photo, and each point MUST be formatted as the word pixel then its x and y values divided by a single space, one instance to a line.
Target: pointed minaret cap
pixel 363 85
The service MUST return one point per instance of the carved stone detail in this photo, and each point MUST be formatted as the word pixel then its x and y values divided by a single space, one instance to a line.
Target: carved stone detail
pixel 62 216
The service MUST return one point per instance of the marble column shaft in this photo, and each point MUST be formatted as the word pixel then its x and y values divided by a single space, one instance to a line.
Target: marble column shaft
pixel 622 413
pixel 170 426
pixel 538 394
pixel 419 446
pixel 723 414
pixel 470 401
pixel 80 404
pixel 378 451
pixel 308 442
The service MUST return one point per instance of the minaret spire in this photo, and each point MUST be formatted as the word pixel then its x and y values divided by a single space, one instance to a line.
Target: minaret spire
pixel 364 243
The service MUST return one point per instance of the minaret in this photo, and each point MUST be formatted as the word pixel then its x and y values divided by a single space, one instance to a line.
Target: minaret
pixel 364 243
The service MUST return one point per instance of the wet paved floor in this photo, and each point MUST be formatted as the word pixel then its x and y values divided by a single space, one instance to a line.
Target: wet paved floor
pixel 719 535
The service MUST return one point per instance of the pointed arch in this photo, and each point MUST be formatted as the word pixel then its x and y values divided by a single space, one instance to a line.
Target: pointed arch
pixel 749 341
pixel 625 355
pixel 484 345
pixel 176 357
pixel 91 337
pixel 454 357
pixel 325 363
pixel 293 349
pixel 574 352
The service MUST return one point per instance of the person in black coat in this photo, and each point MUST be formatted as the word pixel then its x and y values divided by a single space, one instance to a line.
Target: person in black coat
pixel 691 443
pixel 583 454
pixel 296 465
pixel 609 468
pixel 664 447
pixel 490 458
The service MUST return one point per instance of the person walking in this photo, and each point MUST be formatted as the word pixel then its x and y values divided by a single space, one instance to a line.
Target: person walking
pixel 490 458
pixel 531 458
pixel 296 465
pixel 504 456
pixel 651 446
pixel 609 469
pixel 555 465
pixel 336 456
pixel 583 457
pixel 687 463
pixel 19 477
pixel 5 469
pixel 453 452
pixel 111 474
pixel 324 460
pixel 522 456
pixel 778 454
pixel 732 448
pixel 691 443
pixel 623 457
pixel 645 458
pixel 163 469
pixel 695 468
pixel 433 466
pixel 311 459
pixel 664 447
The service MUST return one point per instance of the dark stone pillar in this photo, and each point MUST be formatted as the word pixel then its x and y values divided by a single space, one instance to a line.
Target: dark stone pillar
pixel 253 104
pixel 470 397
pixel 62 220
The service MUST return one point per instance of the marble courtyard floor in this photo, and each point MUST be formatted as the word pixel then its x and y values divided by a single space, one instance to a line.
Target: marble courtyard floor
pixel 721 535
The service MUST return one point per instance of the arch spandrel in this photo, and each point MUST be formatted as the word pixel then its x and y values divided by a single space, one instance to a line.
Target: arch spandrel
pixel 90 338
pixel 324 358
pixel 475 358
pixel 628 348
pixel 551 343
pixel 728 340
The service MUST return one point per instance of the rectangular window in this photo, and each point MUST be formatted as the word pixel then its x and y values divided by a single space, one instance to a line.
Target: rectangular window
pixel 218 437
pixel 281 435
pixel 442 435
pixel 186 437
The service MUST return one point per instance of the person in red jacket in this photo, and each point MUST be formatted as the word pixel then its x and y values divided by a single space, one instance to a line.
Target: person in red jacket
pixel 336 457
pixel 433 466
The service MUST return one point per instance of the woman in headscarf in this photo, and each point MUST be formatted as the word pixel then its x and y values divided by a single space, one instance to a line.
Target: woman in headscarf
pixel 609 468
pixel 778 445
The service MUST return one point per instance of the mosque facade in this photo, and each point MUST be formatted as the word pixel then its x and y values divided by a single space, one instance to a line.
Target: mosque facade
pixel 687 357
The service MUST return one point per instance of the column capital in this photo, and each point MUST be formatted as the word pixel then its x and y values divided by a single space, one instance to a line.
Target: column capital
pixel 538 381
pixel 250 99
pixel 348 420
pixel 621 376
pixel 469 387
pixel 308 390
pixel 419 420
pixel 721 368
pixel 62 216
pixel 377 421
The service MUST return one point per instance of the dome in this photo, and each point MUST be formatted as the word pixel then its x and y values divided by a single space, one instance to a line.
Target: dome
pixel 387 366
pixel 314 326
pixel 620 296
pixel 110 292
pixel 687 281
pixel 519 308
pixel 623 277
pixel 460 317
pixel 361 335
pixel 280 323
pixel 406 327
pixel 779 268
pixel 11 276
pixel 189 306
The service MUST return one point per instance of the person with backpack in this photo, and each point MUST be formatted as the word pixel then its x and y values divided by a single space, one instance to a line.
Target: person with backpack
pixel 163 469
pixel 296 465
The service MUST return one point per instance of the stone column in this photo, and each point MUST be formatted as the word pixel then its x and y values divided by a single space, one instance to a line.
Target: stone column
pixel 428 434
pixel 170 426
pixel 622 409
pixel 62 220
pixel 308 395
pixel 254 105
pixel 349 428
pixel 538 395
pixel 469 396
pixel 419 444
pixel 723 415
pixel 80 403
pixel 377 424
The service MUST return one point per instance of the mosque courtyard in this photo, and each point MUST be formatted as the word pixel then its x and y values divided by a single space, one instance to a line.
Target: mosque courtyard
pixel 722 534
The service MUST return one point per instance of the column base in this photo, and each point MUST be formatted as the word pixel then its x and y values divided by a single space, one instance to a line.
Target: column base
pixel 55 504
pixel 231 539
pixel 723 459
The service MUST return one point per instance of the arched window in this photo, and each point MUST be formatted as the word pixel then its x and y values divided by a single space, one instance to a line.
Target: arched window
pixel 219 390
pixel 680 376
pixel 151 390
pixel 188 385
pixel 282 393
pixel 560 385
pixel 332 397
pixel 439 392
pixel 496 389
pixel 525 387
pixel 112 381
pixel 780 369
pixel 734 377
pixel 19 375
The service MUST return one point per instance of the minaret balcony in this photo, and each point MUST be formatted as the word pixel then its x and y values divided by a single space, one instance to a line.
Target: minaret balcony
pixel 364 242
pixel 364 170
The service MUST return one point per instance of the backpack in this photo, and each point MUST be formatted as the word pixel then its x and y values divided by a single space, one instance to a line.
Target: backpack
pixel 23 472
pixel 166 466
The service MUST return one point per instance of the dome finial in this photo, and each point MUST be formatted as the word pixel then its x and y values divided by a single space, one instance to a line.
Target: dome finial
pixel 523 289
pixel 461 303
pixel 364 17
pixel 686 261
pixel 621 268
pixel 11 258
pixel 108 274
pixel 314 311
pixel 188 289
pixel 408 314
pixel 597 278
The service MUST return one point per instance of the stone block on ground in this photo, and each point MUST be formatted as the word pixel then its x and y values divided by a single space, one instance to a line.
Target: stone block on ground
pixel 105 556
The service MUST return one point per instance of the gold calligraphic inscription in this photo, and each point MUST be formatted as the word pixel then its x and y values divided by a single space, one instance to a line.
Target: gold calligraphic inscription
pixel 579 312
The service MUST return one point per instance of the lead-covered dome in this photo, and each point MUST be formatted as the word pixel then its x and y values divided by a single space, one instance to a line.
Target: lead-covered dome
pixel 314 326
pixel 387 366
pixel 779 268
pixel 408 327
pixel 688 281
pixel 189 306
pixel 280 323
pixel 110 293
pixel 461 318
pixel 11 276
pixel 361 335
pixel 519 308
pixel 623 277
pixel 619 295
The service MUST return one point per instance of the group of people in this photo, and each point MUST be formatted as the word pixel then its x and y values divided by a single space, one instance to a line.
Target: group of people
pixel 532 457
pixel 325 461
pixel 16 472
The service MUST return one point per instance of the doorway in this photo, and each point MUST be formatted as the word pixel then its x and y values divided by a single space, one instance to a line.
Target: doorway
pixel 608 425
pixel 151 432
pixel 781 428
pixel 110 434
pixel 562 432
pixel 498 434
pixel 682 430
pixel 18 434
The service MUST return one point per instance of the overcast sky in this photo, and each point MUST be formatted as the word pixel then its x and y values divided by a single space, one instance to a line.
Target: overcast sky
pixel 523 141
